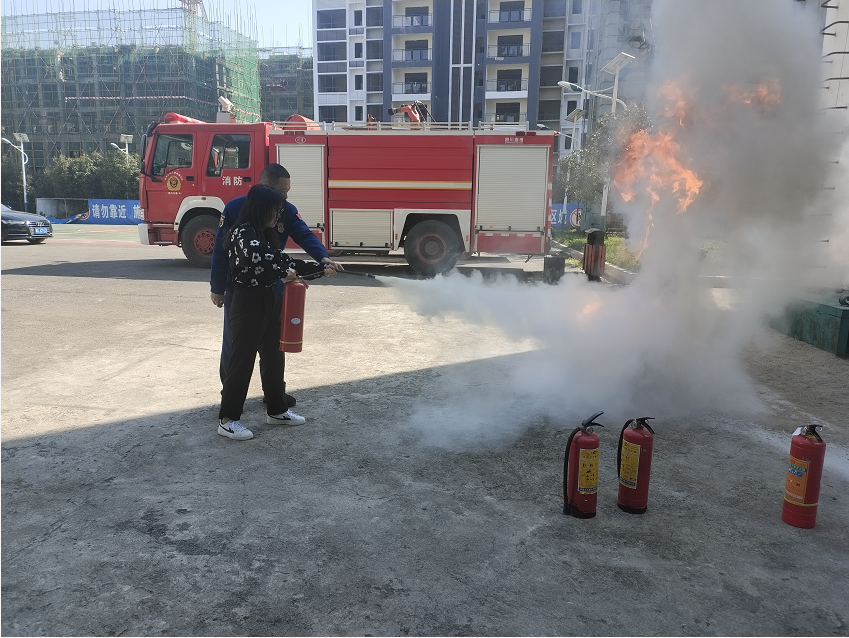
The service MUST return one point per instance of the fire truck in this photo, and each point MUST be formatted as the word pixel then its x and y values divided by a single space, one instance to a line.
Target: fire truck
pixel 435 191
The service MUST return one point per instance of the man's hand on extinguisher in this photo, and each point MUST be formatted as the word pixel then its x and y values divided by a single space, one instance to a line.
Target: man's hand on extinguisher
pixel 330 264
pixel 218 300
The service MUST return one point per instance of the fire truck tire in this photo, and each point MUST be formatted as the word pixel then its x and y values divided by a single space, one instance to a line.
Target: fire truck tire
pixel 198 240
pixel 431 248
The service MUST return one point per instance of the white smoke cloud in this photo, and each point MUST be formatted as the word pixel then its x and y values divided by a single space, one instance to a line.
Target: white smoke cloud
pixel 669 344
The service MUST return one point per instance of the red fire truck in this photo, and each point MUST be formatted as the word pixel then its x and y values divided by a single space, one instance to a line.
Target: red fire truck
pixel 434 190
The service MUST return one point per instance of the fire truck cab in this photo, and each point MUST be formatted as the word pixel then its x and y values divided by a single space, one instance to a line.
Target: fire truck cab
pixel 435 191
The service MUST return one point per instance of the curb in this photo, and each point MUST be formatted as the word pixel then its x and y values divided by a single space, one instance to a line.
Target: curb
pixel 613 274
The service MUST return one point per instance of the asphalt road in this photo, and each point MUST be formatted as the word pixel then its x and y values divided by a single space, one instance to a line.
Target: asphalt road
pixel 123 512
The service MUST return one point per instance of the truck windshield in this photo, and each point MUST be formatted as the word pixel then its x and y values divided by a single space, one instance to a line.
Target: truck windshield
pixel 172 151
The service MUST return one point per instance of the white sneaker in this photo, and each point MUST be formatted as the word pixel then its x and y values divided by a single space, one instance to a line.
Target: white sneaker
pixel 234 430
pixel 287 418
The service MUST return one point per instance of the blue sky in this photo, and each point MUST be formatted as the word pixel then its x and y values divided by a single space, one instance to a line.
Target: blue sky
pixel 278 22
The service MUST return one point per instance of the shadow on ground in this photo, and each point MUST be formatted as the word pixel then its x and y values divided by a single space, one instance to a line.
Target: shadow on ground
pixel 353 525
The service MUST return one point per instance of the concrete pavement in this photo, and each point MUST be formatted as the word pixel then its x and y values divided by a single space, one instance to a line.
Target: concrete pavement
pixel 124 513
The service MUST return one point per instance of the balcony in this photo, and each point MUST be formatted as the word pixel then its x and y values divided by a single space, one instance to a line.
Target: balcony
pixel 407 91
pixel 410 88
pixel 508 51
pixel 501 17
pixel 507 85
pixel 411 55
pixel 506 118
pixel 400 22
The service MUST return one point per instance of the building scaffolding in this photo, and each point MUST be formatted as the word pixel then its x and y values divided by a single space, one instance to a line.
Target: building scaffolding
pixel 76 80
pixel 286 78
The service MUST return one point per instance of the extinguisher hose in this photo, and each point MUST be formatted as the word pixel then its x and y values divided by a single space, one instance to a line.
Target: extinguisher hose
pixel 619 447
pixel 566 502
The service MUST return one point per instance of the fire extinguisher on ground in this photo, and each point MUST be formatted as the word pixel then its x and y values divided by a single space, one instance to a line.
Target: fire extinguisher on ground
pixel 804 472
pixel 580 470
pixel 292 320
pixel 633 460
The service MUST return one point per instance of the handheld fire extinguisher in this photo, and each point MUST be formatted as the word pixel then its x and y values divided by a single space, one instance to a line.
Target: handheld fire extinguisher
pixel 804 471
pixel 580 470
pixel 633 459
pixel 292 320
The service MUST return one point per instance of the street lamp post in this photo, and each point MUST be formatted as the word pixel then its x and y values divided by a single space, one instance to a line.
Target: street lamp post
pixel 614 66
pixel 21 137
pixel 125 140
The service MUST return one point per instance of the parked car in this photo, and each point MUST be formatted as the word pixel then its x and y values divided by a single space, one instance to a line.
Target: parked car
pixel 17 225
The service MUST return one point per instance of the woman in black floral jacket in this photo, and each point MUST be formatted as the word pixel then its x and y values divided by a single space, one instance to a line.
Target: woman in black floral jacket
pixel 257 262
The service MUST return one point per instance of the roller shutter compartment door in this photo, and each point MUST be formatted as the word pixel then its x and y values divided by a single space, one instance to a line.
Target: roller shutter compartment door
pixel 305 164
pixel 512 187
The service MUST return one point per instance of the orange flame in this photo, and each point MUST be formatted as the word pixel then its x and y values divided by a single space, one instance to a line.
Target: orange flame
pixel 653 160
pixel 764 95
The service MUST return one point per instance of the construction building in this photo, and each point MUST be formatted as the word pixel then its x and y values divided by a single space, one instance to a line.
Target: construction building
pixel 286 78
pixel 75 82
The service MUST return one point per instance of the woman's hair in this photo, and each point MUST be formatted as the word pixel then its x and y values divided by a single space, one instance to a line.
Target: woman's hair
pixel 260 207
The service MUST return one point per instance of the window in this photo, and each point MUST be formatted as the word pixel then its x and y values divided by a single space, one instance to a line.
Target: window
pixel 375 112
pixel 416 17
pixel 509 46
pixel 571 105
pixel 511 11
pixel 358 113
pixel 554 9
pixel 228 151
pixel 552 41
pixel 358 18
pixel 330 51
pixel 577 7
pixel 415 83
pixel 333 83
pixel 331 19
pixel 574 39
pixel 374 81
pixel 509 80
pixel 358 50
pixel 333 113
pixel 374 17
pixel 374 49
pixel 172 151
pixel 550 75
pixel 549 110
pixel 507 112
pixel 358 82
pixel 573 74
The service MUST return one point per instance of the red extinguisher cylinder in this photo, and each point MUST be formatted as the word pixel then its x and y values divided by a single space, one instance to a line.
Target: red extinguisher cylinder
pixel 804 473
pixel 292 320
pixel 580 470
pixel 633 458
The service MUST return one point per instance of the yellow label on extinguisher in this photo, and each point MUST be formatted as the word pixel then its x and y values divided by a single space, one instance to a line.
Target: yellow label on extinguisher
pixel 797 479
pixel 588 471
pixel 630 464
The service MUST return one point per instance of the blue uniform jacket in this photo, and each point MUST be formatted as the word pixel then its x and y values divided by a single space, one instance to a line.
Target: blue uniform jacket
pixel 293 226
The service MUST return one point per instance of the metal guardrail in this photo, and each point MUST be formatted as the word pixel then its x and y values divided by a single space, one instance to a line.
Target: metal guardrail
pixel 424 20
pixel 508 50
pixel 505 118
pixel 516 15
pixel 410 88
pixel 409 126
pixel 507 85
pixel 411 55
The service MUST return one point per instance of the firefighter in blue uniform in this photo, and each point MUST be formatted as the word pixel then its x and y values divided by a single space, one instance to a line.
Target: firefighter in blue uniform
pixel 290 225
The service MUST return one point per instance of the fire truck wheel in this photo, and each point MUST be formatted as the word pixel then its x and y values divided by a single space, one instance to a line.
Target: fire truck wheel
pixel 198 240
pixel 431 247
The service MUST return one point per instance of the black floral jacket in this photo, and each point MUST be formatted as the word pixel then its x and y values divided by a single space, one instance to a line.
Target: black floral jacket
pixel 254 262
